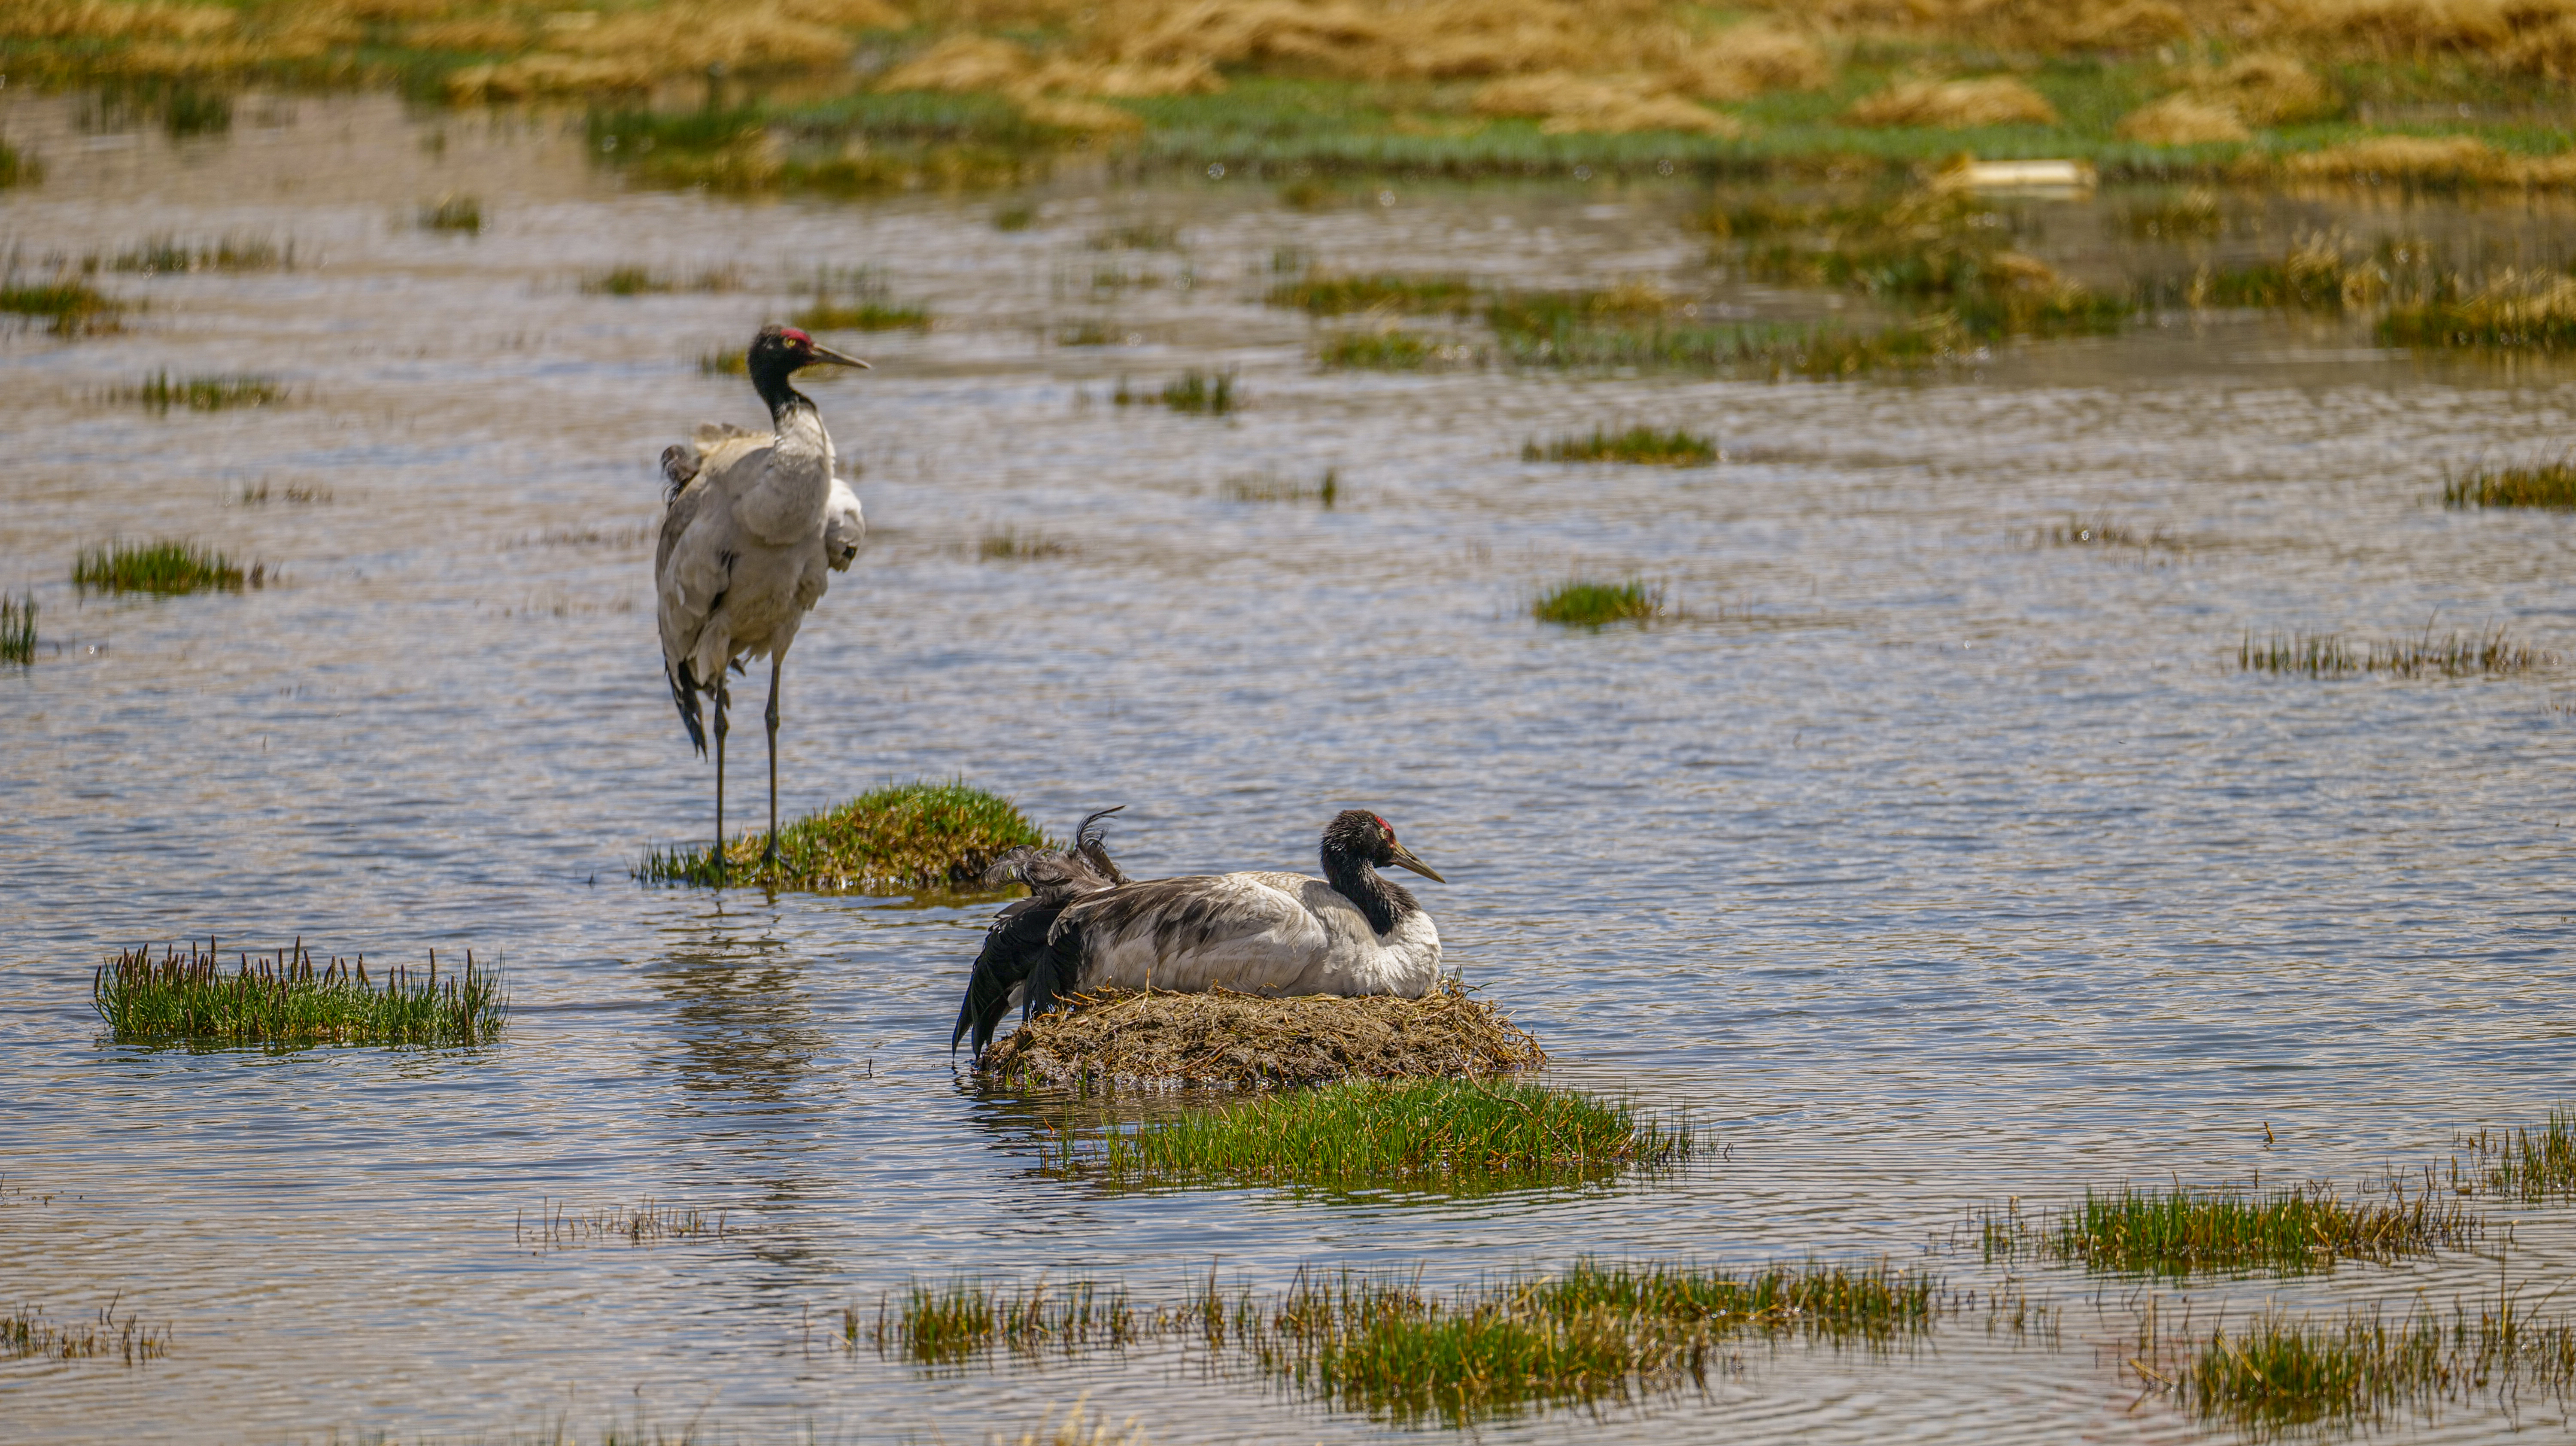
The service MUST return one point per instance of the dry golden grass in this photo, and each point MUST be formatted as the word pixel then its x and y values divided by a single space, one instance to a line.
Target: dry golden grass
pixel 1747 61
pixel 2182 120
pixel 2270 90
pixel 1246 1040
pixel 2441 161
pixel 1994 100
pixel 1566 104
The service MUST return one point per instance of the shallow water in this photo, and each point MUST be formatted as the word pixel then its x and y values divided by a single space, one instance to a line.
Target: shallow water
pixel 1922 866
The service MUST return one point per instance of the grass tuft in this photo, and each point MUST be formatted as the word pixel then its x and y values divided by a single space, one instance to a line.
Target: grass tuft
pixel 1641 445
pixel 1012 545
pixel 857 300
pixel 1203 393
pixel 1584 603
pixel 452 212
pixel 2546 484
pixel 2489 652
pixel 634 280
pixel 1444 1131
pixel 18 629
pixel 1137 236
pixel 246 251
pixel 1410 295
pixel 283 999
pixel 2192 1231
pixel 1268 487
pixel 558 1227
pixel 69 307
pixel 1389 351
pixel 25 1334
pixel 902 838
pixel 160 391
pixel 165 567
pixel 2526 1164
pixel 17 168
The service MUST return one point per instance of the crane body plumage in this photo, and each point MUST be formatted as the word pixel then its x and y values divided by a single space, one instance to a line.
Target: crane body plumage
pixel 1350 932
pixel 752 526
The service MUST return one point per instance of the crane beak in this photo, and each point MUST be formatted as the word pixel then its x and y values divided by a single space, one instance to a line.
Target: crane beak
pixel 1404 859
pixel 824 353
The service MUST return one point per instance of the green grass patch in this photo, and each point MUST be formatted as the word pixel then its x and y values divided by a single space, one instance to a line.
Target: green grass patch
pixel 2492 321
pixel 2525 1164
pixel 1438 1131
pixel 18 629
pixel 904 838
pixel 857 300
pixel 1137 236
pixel 454 212
pixel 244 251
pixel 2488 652
pixel 282 999
pixel 635 280
pixel 161 391
pixel 2546 484
pixel 68 307
pixel 2185 1232
pixel 730 361
pixel 1009 544
pixel 1598 1333
pixel 25 1334
pixel 1411 295
pixel 1267 487
pixel 17 168
pixel 1641 445
pixel 1386 351
pixel 856 143
pixel 1585 603
pixel 166 567
pixel 1209 394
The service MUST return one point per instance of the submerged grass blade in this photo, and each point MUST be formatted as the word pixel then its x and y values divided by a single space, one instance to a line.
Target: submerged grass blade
pixel 18 629
pixel 898 839
pixel 2488 652
pixel 283 999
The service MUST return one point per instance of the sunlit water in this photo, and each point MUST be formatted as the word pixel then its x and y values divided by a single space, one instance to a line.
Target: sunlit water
pixel 1920 865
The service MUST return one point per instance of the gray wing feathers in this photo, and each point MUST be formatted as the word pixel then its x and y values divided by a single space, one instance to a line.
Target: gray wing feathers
pixel 1180 915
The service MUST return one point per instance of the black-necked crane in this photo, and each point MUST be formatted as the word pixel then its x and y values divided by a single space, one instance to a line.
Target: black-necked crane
pixel 1349 932
pixel 752 523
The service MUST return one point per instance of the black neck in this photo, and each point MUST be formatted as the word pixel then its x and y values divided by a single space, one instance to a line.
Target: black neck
pixel 772 385
pixel 1380 902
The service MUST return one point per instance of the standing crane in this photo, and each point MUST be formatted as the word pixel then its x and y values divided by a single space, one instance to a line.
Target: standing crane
pixel 751 523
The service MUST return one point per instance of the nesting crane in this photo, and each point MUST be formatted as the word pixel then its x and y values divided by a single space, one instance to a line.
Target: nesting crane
pixel 752 523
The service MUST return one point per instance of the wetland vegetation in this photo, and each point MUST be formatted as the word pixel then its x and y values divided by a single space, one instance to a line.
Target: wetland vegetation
pixel 25 1334
pixel 18 628
pixel 2538 484
pixel 902 838
pixel 2491 651
pixel 1432 1132
pixel 160 391
pixel 2184 1231
pixel 857 299
pixel 282 1000
pixel 165 568
pixel 1590 603
pixel 2525 1163
pixel 1640 445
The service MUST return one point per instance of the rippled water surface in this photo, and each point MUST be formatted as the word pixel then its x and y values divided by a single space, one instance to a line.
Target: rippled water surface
pixel 1921 865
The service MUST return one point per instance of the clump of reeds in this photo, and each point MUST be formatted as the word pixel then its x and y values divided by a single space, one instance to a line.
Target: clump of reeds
pixel 18 629
pixel 1009 544
pixel 17 168
pixel 2544 484
pixel 165 567
pixel 629 279
pixel 293 494
pixel 2530 1165
pixel 283 999
pixel 898 839
pixel 160 391
pixel 1588 603
pixel 2508 315
pixel 1440 1130
pixel 1222 1038
pixel 556 1226
pixel 25 1334
pixel 1206 393
pixel 2186 1231
pixel 858 300
pixel 2279 1373
pixel 454 211
pixel 966 1319
pixel 2487 652
pixel 1642 445
pixel 1387 351
pixel 2193 215
pixel 1137 236
pixel 244 251
pixel 1599 1332
pixel 1269 488
pixel 1340 295
pixel 68 307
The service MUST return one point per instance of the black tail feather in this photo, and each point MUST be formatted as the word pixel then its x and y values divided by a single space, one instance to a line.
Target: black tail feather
pixel 1019 951
pixel 684 696
pixel 1014 943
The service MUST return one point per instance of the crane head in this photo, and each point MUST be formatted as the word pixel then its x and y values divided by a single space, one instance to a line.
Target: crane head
pixel 783 349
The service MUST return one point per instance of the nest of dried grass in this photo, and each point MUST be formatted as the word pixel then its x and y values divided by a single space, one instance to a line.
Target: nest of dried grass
pixel 1245 1040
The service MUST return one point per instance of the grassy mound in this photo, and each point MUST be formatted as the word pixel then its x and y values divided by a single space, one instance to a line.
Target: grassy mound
pixel 1247 1041
pixel 903 838
pixel 283 999
pixel 1462 1131
pixel 1583 603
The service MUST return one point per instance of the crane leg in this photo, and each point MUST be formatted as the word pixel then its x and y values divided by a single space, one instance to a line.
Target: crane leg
pixel 777 661
pixel 720 737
